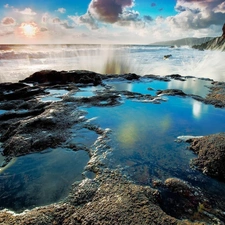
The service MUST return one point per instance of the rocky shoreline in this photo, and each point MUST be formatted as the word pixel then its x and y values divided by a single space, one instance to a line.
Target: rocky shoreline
pixel 109 198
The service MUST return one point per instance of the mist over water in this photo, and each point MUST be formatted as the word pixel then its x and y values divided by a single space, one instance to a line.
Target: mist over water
pixel 20 61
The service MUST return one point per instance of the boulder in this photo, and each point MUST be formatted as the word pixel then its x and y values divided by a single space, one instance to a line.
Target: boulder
pixel 211 155
pixel 64 77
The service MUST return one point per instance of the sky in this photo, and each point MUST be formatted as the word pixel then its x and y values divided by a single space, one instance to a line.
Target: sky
pixel 108 21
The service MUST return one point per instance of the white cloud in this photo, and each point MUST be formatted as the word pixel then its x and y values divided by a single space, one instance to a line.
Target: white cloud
pixel 6 6
pixel 85 20
pixel 61 10
pixel 194 14
pixel 220 8
pixel 27 11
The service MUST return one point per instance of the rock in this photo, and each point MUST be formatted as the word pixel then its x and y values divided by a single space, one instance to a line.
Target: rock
pixel 187 138
pixel 217 43
pixel 34 134
pixel 181 200
pixel 167 56
pixel 172 92
pixel 63 77
pixel 176 77
pixel 217 95
pixel 223 29
pixel 211 155
pixel 131 76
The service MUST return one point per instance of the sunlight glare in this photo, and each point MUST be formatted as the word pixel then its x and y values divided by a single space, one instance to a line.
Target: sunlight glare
pixel 29 30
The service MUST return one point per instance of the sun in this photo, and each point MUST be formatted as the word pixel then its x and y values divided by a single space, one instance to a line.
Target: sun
pixel 29 30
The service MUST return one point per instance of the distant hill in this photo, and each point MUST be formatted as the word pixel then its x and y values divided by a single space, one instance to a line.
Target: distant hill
pixel 185 41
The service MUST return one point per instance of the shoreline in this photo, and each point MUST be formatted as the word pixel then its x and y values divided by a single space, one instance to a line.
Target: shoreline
pixel 109 198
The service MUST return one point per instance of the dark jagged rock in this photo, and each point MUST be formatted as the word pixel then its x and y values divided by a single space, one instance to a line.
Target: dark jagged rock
pixel 128 76
pixel 172 92
pixel 5 87
pixel 211 155
pixel 23 93
pixel 223 29
pixel 155 77
pixel 181 200
pixel 215 44
pixel 176 77
pixel 167 56
pixel 33 134
pixel 64 77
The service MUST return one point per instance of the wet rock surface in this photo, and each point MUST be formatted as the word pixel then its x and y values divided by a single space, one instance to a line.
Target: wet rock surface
pixel 211 155
pixel 31 125
pixel 109 199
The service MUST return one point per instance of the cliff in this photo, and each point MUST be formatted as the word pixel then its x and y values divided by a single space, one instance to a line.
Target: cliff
pixel 217 43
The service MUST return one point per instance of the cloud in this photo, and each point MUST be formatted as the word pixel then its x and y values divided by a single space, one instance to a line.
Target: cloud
pixel 61 10
pixel 56 20
pixel 220 8
pixel 198 14
pixel 7 21
pixel 6 6
pixel 85 20
pixel 148 18
pixel 28 11
pixel 109 11
pixel 130 18
pixel 43 29
pixel 64 24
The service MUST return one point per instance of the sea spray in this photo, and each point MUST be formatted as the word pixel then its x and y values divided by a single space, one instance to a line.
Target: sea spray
pixel 20 61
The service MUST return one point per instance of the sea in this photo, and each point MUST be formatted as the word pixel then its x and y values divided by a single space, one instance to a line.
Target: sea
pixel 20 61
pixel 142 137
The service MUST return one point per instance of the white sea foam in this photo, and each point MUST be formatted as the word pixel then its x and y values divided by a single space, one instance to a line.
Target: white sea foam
pixel 18 62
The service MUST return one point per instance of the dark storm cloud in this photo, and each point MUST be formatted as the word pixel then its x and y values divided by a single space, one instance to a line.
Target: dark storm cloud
pixel 8 21
pixel 109 10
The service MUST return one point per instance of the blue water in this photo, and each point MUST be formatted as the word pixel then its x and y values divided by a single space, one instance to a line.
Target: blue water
pixel 143 137
pixel 40 178
pixel 141 143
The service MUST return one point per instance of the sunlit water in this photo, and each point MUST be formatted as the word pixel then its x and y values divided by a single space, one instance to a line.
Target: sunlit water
pixel 142 139
pixel 18 62
pixel 43 178
pixel 143 136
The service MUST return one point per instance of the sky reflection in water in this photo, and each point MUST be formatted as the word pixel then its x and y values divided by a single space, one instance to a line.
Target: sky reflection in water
pixel 143 134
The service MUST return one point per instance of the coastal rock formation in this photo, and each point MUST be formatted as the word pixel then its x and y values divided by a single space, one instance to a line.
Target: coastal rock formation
pixel 33 125
pixel 172 92
pixel 63 77
pixel 217 43
pixel 223 30
pixel 108 199
pixel 211 155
